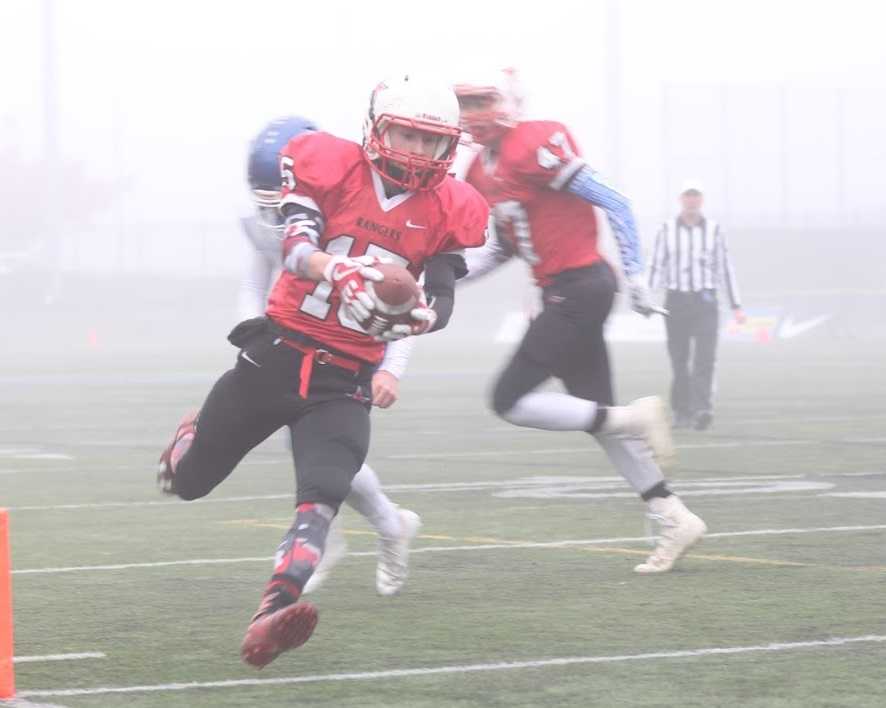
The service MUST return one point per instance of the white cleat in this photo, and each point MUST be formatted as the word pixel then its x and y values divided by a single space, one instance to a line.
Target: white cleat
pixel 649 419
pixel 393 555
pixel 680 530
pixel 335 550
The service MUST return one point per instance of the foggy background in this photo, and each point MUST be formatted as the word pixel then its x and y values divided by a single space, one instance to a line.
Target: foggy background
pixel 124 129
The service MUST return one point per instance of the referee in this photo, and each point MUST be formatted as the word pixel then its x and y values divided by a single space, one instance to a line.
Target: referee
pixel 690 261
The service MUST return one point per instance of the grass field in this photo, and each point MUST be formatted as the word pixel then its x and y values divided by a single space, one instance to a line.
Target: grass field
pixel 525 555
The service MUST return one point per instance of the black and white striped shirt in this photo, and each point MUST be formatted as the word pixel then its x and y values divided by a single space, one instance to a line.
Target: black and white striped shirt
pixel 692 258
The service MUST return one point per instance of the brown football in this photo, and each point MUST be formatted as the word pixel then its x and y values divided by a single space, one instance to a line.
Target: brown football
pixel 394 297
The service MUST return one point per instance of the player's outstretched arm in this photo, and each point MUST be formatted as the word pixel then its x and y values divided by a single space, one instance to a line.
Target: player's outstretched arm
pixel 587 184
pixel 486 258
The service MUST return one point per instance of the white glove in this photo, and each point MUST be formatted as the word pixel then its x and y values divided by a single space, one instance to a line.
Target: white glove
pixel 423 320
pixel 348 277
pixel 641 298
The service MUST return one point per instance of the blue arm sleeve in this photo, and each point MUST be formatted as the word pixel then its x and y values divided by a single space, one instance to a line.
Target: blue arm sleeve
pixel 587 185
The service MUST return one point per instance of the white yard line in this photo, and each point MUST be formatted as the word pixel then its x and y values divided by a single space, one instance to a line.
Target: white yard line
pixel 726 421
pixel 592 448
pixel 452 549
pixel 805 419
pixel 856 495
pixel 585 480
pixel 128 566
pixel 59 657
pixel 493 453
pixel 871 473
pixel 165 502
pixel 424 487
pixel 464 668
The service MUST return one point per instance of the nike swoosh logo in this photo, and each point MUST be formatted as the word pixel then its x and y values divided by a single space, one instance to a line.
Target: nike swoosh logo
pixel 250 359
pixel 414 226
pixel 788 329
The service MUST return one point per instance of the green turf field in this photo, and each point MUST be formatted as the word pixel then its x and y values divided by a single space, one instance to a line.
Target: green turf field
pixel 525 555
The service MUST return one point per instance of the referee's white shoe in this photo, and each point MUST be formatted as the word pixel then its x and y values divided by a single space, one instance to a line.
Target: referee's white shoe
pixel 680 530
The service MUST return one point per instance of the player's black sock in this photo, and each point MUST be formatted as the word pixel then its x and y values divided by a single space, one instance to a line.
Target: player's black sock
pixel 659 490
pixel 599 419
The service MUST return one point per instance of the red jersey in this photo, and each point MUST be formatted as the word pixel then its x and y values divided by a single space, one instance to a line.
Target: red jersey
pixel 333 177
pixel 550 229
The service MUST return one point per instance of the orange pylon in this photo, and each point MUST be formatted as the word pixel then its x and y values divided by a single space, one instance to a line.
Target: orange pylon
pixel 7 672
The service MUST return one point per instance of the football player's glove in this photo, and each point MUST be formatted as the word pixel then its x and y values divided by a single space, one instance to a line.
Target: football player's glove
pixel 423 319
pixel 348 278
pixel 641 298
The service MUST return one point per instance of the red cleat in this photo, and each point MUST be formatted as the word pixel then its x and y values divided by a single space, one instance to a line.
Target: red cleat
pixel 181 441
pixel 270 635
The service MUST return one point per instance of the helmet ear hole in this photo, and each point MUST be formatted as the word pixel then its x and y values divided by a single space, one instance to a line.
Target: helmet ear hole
pixel 381 132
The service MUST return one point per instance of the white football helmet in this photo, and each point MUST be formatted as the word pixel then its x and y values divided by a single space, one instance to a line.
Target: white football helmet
pixel 491 104
pixel 417 105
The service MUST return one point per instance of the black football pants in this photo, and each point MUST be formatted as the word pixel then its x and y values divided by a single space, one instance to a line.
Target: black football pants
pixel 565 341
pixel 329 429
pixel 692 328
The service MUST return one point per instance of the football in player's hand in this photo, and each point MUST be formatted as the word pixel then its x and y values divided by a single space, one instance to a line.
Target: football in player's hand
pixel 394 297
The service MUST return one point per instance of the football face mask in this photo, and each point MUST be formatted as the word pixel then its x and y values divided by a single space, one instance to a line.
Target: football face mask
pixel 489 106
pixel 481 115
pixel 413 154
pixel 411 132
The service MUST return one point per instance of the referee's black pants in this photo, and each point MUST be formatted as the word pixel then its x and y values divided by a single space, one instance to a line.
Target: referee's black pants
pixel 692 328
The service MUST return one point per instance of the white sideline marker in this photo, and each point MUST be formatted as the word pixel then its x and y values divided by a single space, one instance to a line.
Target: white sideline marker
pixel 463 668
pixel 59 657
pixel 451 549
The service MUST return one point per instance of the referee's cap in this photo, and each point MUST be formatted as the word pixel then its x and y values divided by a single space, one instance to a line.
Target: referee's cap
pixel 690 186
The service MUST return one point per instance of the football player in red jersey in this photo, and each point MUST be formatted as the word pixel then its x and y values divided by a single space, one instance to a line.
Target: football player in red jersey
pixel 308 364
pixel 543 196
pixel 396 526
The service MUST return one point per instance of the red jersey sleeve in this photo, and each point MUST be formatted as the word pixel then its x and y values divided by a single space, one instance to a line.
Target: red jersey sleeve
pixel 312 167
pixel 539 155
pixel 467 217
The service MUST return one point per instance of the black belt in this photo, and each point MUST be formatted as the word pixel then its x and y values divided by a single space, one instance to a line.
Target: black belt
pixel 316 352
